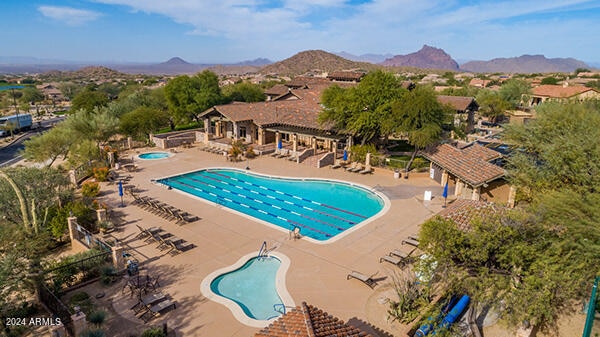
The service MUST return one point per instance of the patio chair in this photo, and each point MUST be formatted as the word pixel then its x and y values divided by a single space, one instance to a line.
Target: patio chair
pixel 411 242
pixel 368 280
pixel 395 260
pixel 337 165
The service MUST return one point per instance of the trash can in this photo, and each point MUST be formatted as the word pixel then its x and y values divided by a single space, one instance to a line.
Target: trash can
pixel 396 174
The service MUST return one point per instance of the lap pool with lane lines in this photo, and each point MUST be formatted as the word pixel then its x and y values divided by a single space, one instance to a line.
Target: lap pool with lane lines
pixel 321 209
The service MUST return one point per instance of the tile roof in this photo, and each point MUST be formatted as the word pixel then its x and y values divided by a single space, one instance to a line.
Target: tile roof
pixel 459 103
pixel 467 166
pixel 558 91
pixel 277 89
pixel 482 152
pixel 346 75
pixel 309 321
pixel 464 211
pixel 299 112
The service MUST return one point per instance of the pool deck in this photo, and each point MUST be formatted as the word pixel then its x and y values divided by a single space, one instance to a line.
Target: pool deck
pixel 317 273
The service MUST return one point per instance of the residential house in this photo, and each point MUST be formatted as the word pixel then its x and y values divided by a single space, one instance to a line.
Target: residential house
pixel 471 173
pixel 479 83
pixel 562 93
pixel 346 76
pixel 464 107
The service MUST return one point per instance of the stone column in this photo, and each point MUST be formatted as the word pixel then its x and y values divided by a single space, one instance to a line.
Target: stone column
pixel 458 188
pixel 261 137
pixel 235 130
pixel 295 143
pixel 79 322
pixel 314 144
pixel 218 129
pixel 207 131
pixel 333 147
pixel 111 159
pixel 101 214
pixel 129 143
pixel 117 257
pixel 511 196
pixel 72 222
pixel 476 193
pixel 277 138
pixel 444 178
pixel 73 177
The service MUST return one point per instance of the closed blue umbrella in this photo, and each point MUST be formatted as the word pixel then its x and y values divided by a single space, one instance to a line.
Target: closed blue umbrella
pixel 345 155
pixel 279 145
pixel 121 191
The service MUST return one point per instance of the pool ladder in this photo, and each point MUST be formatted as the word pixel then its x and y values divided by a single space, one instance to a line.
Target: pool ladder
pixel 263 252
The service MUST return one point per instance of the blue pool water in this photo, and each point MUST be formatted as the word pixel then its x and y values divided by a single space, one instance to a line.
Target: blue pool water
pixel 252 287
pixel 154 155
pixel 321 209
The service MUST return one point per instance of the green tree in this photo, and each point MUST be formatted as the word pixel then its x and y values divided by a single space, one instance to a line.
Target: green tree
pixel 187 97
pixel 514 91
pixel 492 105
pixel 549 80
pixel 363 111
pixel 89 99
pixel 558 150
pixel 69 89
pixel 420 116
pixel 49 146
pixel 142 121
pixel 32 95
pixel 244 92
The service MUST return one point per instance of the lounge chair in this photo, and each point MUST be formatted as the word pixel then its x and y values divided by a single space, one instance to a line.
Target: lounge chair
pixel 368 280
pixel 148 300
pixel 392 259
pixel 178 247
pixel 411 242
pixel 357 169
pixel 336 165
pixel 368 169
pixel 400 254
pixel 157 309
pixel 352 166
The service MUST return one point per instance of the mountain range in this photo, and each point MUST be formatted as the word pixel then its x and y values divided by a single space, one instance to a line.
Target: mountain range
pixel 427 57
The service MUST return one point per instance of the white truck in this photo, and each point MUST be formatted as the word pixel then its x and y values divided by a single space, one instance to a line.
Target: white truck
pixel 15 124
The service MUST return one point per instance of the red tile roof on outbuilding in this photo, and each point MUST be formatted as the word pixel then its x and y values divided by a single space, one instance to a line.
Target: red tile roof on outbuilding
pixel 309 321
pixel 467 166
pixel 464 211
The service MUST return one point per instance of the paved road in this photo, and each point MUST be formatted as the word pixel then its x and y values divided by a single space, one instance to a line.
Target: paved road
pixel 10 154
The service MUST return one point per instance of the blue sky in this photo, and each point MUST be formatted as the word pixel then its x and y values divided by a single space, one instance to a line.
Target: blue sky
pixel 225 31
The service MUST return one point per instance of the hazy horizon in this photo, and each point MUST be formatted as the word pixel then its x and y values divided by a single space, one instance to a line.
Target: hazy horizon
pixel 231 31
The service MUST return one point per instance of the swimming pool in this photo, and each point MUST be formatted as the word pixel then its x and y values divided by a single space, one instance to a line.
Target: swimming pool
pixel 154 155
pixel 253 288
pixel 321 209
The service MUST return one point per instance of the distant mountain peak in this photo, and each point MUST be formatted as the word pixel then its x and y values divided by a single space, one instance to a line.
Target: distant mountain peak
pixel 427 57
pixel 524 64
pixel 176 61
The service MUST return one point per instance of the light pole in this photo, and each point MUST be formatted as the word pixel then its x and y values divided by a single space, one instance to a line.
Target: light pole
pixel 16 108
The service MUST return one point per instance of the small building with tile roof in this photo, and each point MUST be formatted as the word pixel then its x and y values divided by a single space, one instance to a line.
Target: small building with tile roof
pixel 471 173
pixel 346 76
pixel 289 116
pixel 309 321
pixel 548 92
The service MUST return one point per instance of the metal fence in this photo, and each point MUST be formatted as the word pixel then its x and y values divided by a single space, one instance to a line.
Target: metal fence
pixel 57 307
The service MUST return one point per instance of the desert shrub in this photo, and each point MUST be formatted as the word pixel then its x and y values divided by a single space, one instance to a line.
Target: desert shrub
pixel 97 317
pixel 100 173
pixel 90 189
pixel 154 332
pixel 250 152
